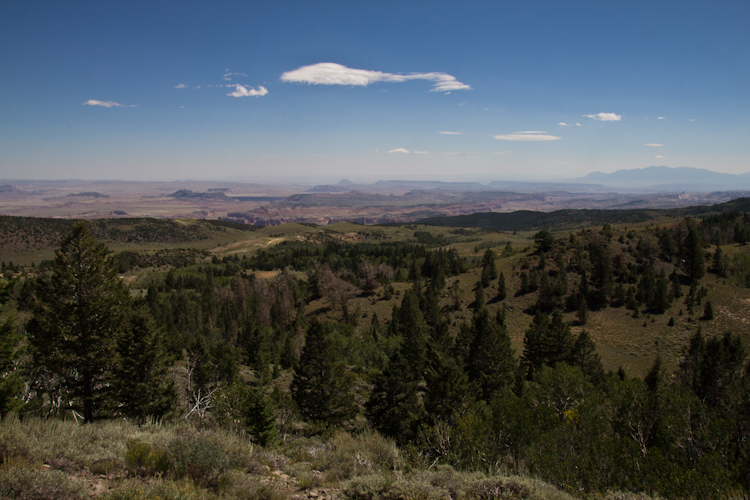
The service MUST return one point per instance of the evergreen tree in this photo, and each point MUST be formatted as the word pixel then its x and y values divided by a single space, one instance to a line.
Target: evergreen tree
pixel 708 311
pixel 502 292
pixel 676 289
pixel 11 382
pixel 489 272
pixel 719 261
pixel 447 391
pixel 660 301
pixel 602 276
pixel 584 356
pixel 141 383
pixel 396 407
pixel 322 386
pixel 693 254
pixel 479 300
pixel 534 344
pixel 78 318
pixel 491 363
pixel 260 416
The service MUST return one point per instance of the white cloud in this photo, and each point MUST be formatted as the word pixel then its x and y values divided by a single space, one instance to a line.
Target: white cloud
pixel 240 91
pixel 336 74
pixel 228 75
pixel 605 117
pixel 529 135
pixel 563 124
pixel 180 86
pixel 399 150
pixel 420 152
pixel 660 118
pixel 578 125
pixel 106 104
pixel 659 156
pixel 691 120
pixel 451 133
pixel 654 145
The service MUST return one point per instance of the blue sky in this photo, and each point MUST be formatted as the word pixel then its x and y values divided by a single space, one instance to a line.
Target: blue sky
pixel 368 89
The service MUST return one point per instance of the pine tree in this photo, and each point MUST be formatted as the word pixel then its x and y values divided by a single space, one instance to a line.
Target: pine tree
pixel 11 383
pixel 584 356
pixel 78 318
pixel 141 383
pixel 322 386
pixel 502 292
pixel 708 311
pixel 489 272
pixel 396 407
pixel 491 363
pixel 693 254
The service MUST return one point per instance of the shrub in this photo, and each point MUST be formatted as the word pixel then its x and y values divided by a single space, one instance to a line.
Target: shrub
pixel 358 455
pixel 26 483
pixel 498 489
pixel 160 490
pixel 197 457
pixel 235 484
pixel 143 458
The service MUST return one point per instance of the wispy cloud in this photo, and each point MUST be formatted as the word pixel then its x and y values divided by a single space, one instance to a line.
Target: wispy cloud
pixel 228 75
pixel 654 145
pixel 420 152
pixel 578 125
pixel 336 74
pixel 563 124
pixel 528 135
pixel 107 104
pixel 240 91
pixel 605 117
pixel 180 86
pixel 451 133
pixel 659 156
pixel 660 118
pixel 399 150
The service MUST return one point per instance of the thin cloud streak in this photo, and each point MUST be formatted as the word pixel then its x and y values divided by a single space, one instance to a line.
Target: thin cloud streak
pixel 337 74
pixel 605 117
pixel 529 136
pixel 105 104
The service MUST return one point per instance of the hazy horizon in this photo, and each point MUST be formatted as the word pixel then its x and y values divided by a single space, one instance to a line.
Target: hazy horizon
pixel 292 90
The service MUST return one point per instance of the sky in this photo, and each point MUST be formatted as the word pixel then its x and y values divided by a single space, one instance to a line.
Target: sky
pixel 297 90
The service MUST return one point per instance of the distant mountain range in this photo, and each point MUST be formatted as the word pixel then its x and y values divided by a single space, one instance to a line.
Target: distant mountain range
pixel 668 179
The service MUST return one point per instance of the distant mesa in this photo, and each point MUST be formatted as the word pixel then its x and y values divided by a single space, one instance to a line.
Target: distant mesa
pixel 670 179
pixel 188 194
pixel 345 182
pixel 89 194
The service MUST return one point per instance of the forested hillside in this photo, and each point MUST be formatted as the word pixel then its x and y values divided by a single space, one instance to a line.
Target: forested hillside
pixel 410 341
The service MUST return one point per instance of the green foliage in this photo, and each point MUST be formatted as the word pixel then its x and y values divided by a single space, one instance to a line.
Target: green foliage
pixel 11 380
pixel 544 241
pixel 78 319
pixel 27 483
pixel 199 458
pixel 142 458
pixel 141 382
pixel 322 386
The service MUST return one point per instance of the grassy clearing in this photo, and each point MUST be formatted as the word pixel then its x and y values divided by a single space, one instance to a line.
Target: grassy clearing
pixel 64 460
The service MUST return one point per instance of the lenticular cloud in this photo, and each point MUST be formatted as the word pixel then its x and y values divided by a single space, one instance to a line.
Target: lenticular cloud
pixel 336 74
